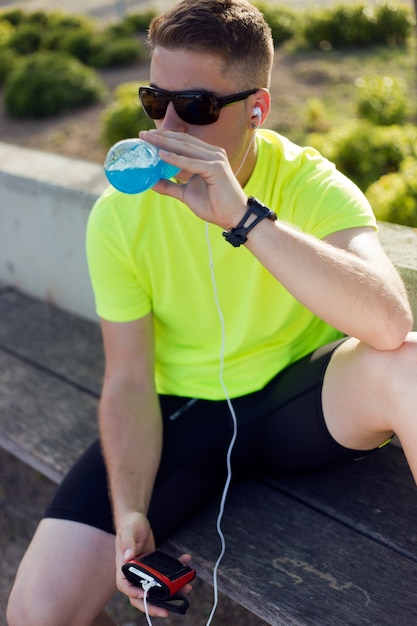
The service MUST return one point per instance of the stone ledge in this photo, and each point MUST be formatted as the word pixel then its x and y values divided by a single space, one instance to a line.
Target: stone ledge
pixel 400 244
pixel 24 164
pixel 45 200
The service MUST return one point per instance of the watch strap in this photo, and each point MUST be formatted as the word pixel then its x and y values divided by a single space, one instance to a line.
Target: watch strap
pixel 238 235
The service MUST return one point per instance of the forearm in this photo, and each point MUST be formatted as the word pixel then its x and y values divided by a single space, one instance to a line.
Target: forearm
pixel 352 288
pixel 131 436
pixel 359 297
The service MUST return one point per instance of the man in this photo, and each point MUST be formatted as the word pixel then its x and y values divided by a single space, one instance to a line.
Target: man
pixel 204 297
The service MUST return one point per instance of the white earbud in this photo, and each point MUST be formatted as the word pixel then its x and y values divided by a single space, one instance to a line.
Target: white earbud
pixel 258 112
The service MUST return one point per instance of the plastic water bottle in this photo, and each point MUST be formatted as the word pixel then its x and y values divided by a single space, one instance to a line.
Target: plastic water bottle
pixel 133 165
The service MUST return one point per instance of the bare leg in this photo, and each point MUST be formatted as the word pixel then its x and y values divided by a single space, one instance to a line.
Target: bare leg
pixel 369 394
pixel 65 578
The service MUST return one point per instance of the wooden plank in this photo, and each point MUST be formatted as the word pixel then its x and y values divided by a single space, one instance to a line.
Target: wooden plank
pixel 324 550
pixel 44 421
pixel 377 496
pixel 53 339
pixel 291 565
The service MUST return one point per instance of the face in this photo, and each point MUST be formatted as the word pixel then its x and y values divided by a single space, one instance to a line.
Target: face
pixel 182 70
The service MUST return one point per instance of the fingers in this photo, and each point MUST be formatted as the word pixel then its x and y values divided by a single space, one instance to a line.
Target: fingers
pixel 184 151
pixel 137 601
pixel 141 601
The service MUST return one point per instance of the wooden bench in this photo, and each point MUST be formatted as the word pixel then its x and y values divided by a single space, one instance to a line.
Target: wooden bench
pixel 331 549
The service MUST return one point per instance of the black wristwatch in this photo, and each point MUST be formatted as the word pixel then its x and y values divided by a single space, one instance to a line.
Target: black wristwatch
pixel 237 236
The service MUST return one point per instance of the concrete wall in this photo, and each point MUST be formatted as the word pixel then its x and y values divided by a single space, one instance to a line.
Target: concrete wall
pixel 45 201
pixel 44 205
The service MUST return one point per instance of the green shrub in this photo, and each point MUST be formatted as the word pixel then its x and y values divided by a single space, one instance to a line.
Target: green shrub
pixel 140 22
pixel 6 32
pixel 61 26
pixel 110 51
pixel 284 22
pixel 394 196
pixel 382 100
pixel 123 28
pixel 13 16
pixel 124 117
pixel 99 49
pixel 80 43
pixel 47 83
pixel 365 152
pixel 8 60
pixel 316 115
pixel 26 38
pixel 358 24
pixel 395 23
pixel 341 26
pixel 37 17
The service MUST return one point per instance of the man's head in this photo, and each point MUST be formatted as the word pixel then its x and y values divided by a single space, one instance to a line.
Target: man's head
pixel 233 30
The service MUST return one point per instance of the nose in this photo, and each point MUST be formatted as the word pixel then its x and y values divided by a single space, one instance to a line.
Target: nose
pixel 172 121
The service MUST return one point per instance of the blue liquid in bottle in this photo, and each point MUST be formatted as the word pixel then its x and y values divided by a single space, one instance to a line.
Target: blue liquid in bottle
pixel 133 165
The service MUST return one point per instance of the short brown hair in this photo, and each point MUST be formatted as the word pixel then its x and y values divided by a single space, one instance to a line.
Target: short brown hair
pixel 234 30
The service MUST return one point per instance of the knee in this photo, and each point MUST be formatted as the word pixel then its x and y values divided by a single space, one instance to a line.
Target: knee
pixel 16 613
pixel 387 365
pixel 399 364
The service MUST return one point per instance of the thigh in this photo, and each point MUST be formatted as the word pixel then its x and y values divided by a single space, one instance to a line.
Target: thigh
pixel 291 433
pixel 192 471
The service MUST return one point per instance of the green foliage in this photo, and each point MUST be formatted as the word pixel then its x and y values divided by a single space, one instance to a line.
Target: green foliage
pixel 80 43
pixel 358 24
pixel 365 152
pixel 382 100
pixel 394 196
pixel 284 22
pixel 395 22
pixel 6 32
pixel 8 57
pixel 13 16
pixel 316 115
pixel 37 17
pixel 62 26
pixel 8 60
pixel 26 38
pixel 76 35
pixel 124 117
pixel 111 51
pixel 47 83
pixel 140 22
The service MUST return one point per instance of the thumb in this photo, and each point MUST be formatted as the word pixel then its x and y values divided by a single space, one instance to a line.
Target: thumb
pixel 133 536
pixel 128 554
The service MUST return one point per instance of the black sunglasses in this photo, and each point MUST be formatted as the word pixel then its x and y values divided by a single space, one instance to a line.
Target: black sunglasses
pixel 193 107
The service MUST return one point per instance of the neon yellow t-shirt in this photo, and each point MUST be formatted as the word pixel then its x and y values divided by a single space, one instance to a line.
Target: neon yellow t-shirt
pixel 149 253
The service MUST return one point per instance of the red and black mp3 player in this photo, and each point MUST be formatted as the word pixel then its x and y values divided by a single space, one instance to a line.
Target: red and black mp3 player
pixel 168 576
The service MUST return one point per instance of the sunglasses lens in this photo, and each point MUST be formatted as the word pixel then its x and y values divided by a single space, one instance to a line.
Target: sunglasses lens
pixel 154 103
pixel 198 109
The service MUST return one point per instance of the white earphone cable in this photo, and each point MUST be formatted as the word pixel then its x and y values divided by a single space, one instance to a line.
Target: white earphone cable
pixel 233 439
pixel 231 409
pixel 147 586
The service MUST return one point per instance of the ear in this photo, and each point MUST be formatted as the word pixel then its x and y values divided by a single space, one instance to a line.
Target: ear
pixel 260 107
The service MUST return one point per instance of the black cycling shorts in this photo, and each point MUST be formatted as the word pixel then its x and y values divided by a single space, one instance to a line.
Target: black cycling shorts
pixel 281 432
